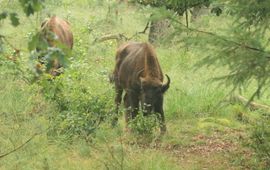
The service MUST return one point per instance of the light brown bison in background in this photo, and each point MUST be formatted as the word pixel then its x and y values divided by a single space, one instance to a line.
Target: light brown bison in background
pixel 57 33
pixel 137 71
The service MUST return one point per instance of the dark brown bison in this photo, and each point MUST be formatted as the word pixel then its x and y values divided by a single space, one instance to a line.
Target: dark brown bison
pixel 137 71
pixel 57 33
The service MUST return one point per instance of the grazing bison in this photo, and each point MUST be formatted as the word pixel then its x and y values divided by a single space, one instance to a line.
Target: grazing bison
pixel 57 33
pixel 137 71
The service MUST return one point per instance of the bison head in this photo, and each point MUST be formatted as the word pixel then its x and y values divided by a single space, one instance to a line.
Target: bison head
pixel 152 91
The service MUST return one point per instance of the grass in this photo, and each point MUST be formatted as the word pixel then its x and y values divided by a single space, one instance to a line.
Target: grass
pixel 203 131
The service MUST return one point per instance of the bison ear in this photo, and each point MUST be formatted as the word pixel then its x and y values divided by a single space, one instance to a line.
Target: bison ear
pixel 166 86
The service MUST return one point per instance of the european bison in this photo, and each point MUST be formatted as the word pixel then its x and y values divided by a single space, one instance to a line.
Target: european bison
pixel 137 71
pixel 57 33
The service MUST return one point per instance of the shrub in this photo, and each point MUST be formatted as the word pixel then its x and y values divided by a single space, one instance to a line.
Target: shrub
pixel 260 140
pixel 144 125
pixel 80 111
pixel 81 116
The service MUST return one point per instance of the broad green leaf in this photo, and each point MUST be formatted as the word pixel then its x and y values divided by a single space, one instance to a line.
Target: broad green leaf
pixel 32 44
pixel 37 42
pixel 3 15
pixel 31 6
pixel 14 19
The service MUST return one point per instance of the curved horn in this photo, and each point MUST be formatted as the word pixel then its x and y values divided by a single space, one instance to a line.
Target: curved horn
pixel 138 73
pixel 167 85
pixel 139 77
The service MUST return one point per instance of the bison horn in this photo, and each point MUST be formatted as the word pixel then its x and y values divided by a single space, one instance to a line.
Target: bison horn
pixel 167 85
pixel 139 72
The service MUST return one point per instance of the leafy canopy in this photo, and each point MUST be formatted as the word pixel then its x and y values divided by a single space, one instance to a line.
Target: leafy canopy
pixel 29 8
pixel 179 6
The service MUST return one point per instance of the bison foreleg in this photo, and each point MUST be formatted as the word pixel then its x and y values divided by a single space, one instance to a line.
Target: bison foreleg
pixel 131 104
pixel 128 109
pixel 134 102
pixel 163 127
pixel 159 109
pixel 118 98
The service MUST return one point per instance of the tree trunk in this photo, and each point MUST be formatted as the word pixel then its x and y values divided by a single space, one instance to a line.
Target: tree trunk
pixel 195 12
pixel 158 30
pixel 198 11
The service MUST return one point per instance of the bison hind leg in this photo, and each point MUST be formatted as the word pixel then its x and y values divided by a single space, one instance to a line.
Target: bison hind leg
pixel 117 100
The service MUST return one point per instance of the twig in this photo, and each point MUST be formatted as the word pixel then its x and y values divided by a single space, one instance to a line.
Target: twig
pixel 120 37
pixel 116 37
pixel 19 147
pixel 145 29
pixel 12 46
pixel 256 93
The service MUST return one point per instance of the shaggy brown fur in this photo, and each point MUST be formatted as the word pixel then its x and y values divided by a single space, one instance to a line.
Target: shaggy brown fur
pixel 60 28
pixel 56 30
pixel 137 71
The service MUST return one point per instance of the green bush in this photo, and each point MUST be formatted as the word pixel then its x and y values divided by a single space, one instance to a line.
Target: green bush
pixel 80 111
pixel 144 125
pixel 81 117
pixel 260 140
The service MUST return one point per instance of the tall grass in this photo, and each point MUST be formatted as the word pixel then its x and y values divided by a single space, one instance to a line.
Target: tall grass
pixel 193 105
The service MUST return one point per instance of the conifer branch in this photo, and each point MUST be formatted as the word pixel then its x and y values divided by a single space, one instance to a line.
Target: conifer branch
pixel 248 47
pixel 231 41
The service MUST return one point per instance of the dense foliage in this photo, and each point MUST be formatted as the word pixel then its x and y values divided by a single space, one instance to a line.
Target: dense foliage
pixel 29 8
pixel 179 6
pixel 80 111
pixel 244 50
pixel 260 138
